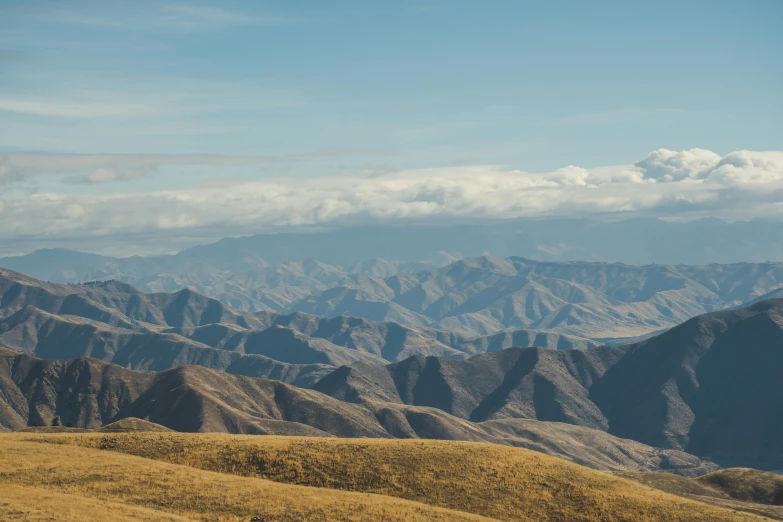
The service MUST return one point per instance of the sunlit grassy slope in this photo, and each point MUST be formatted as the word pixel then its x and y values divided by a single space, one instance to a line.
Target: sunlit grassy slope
pixel 743 489
pixel 229 477
pixel 69 483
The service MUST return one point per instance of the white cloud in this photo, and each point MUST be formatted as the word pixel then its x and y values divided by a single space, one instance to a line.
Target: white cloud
pixel 101 175
pixel 692 183
pixel 668 165
pixel 747 167
pixel 106 175
pixel 73 211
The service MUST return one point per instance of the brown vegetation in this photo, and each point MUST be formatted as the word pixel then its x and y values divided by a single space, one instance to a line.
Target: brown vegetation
pixel 69 483
pixel 175 474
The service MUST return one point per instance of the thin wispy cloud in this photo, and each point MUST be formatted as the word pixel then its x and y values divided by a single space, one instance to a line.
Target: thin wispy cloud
pixel 612 117
pixel 73 109
pixel 173 17
pixel 94 97
pixel 105 168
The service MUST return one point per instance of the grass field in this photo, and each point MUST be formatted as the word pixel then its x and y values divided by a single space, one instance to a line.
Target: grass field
pixel 173 476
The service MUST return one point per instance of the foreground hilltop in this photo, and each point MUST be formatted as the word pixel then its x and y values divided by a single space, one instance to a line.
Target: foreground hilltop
pixel 203 477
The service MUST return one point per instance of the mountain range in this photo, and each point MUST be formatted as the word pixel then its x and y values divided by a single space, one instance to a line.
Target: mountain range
pixel 476 296
pixel 248 282
pixel 88 393
pixel 114 322
pixel 710 387
pixel 596 300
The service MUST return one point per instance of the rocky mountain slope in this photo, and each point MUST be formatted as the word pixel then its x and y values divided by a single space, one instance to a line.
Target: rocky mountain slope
pixel 710 386
pixel 88 393
pixel 531 383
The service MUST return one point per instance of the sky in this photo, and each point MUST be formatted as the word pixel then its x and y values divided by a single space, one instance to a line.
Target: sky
pixel 143 127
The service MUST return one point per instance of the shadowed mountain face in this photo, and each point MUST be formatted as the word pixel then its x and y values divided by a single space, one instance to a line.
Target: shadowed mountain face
pixel 710 386
pixel 114 322
pixel 529 383
pixel 87 393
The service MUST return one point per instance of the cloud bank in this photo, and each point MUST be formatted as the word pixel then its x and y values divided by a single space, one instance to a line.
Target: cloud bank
pixel 670 184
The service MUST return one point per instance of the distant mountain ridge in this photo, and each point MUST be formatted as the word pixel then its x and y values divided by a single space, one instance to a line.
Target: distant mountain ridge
pixel 596 300
pixel 478 296
pixel 248 282
pixel 637 241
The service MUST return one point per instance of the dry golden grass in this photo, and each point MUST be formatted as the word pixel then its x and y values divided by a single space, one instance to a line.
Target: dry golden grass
pixel 33 504
pixel 67 482
pixel 746 484
pixel 747 490
pixel 495 481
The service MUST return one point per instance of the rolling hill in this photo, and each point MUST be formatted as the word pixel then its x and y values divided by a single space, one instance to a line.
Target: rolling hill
pixel 78 484
pixel 204 477
pixel 736 488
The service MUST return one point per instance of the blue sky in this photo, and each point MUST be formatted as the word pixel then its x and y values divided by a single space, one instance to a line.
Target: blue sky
pixel 304 89
pixel 535 84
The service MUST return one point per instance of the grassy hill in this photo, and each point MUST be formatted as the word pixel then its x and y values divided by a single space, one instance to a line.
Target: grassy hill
pixel 736 488
pixel 67 483
pixel 163 476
